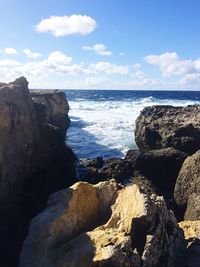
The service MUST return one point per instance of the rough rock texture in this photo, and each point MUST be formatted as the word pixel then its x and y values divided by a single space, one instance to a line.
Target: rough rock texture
pixel 34 161
pixel 79 228
pixel 53 108
pixel 161 166
pixel 99 169
pixel 192 235
pixel 167 126
pixel 28 141
pixel 187 189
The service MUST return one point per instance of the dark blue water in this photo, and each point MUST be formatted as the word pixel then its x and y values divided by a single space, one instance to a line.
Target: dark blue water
pixel 103 121
pixel 119 95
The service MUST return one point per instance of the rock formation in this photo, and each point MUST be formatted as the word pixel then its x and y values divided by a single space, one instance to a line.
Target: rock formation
pixel 167 126
pixel 187 189
pixel 161 166
pixel 192 235
pixel 80 227
pixel 34 160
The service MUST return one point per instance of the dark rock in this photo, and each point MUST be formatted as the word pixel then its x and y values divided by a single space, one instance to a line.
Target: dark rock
pixel 161 166
pixel 167 126
pixel 99 169
pixel 187 189
pixel 132 155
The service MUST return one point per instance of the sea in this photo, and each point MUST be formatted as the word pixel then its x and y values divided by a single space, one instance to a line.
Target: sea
pixel 103 121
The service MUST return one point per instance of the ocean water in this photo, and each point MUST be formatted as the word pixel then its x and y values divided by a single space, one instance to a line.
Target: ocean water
pixel 103 121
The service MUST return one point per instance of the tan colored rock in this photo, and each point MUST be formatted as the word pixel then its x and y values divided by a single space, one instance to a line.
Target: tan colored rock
pixel 192 235
pixel 191 229
pixel 79 228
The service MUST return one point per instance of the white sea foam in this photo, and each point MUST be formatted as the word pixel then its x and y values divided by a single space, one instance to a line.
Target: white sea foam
pixel 106 128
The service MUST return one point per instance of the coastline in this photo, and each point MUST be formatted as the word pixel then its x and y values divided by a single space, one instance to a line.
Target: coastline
pixel 118 212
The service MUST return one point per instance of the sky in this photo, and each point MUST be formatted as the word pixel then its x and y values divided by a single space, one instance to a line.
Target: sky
pixel 101 44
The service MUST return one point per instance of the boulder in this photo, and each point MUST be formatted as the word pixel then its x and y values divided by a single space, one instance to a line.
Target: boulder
pixel 192 235
pixel 161 166
pixel 168 126
pixel 104 225
pixel 187 188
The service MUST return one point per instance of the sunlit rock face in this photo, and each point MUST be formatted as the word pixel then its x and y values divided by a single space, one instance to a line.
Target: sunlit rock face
pixel 104 225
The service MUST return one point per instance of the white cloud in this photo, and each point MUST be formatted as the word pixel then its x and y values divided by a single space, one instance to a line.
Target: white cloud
pixel 67 25
pixel 99 49
pixel 27 52
pixel 58 57
pixel 9 62
pixel 122 54
pixel 139 74
pixel 109 68
pixel 171 64
pixel 10 51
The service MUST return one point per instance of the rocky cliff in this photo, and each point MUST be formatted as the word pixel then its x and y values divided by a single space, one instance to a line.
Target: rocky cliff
pixel 34 160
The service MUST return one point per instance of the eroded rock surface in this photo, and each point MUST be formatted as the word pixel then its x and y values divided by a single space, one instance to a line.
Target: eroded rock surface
pixel 187 189
pixel 168 126
pixel 34 161
pixel 192 235
pixel 81 228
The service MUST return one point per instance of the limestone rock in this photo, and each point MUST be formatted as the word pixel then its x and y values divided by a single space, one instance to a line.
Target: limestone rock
pixel 28 141
pixel 187 189
pixel 81 228
pixel 34 161
pixel 167 126
pixel 53 107
pixel 192 235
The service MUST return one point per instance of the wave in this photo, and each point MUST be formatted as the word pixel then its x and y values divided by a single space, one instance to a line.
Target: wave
pixel 106 128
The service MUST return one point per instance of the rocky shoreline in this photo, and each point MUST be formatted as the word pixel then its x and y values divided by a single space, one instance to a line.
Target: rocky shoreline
pixel 101 212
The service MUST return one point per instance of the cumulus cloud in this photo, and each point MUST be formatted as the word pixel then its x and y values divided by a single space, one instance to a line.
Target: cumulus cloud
pixel 170 64
pixel 99 49
pixel 58 57
pixel 27 52
pixel 67 25
pixel 109 68
pixel 10 51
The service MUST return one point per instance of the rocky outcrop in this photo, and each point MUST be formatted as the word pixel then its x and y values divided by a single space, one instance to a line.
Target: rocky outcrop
pixel 167 126
pixel 187 189
pixel 99 169
pixel 27 141
pixel 192 235
pixel 53 108
pixel 162 167
pixel 34 161
pixel 81 227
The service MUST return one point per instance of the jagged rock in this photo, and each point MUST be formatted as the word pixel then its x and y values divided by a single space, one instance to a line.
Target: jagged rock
pixel 99 169
pixel 192 235
pixel 80 228
pixel 161 166
pixel 187 189
pixel 34 161
pixel 53 108
pixel 167 126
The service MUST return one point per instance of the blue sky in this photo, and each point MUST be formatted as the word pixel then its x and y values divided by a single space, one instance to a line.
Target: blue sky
pixel 130 44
